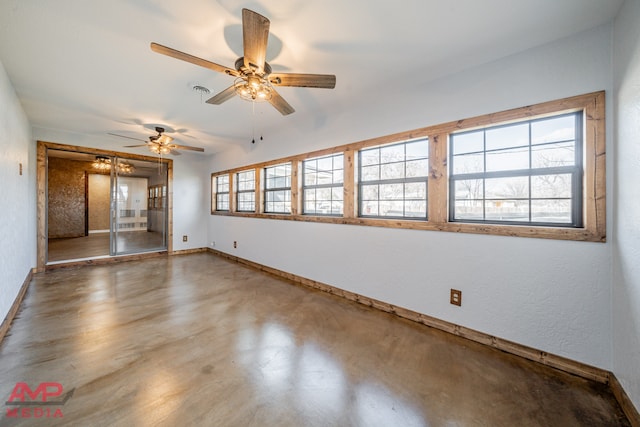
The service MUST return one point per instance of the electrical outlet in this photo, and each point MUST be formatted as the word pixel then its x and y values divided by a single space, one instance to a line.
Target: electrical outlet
pixel 185 238
pixel 213 244
pixel 235 244
pixel 456 297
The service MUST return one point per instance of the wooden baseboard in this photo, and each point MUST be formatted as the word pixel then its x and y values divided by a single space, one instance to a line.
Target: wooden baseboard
pixel 6 323
pixel 111 260
pixel 189 251
pixel 122 258
pixel 625 402
pixel 106 260
pixel 552 360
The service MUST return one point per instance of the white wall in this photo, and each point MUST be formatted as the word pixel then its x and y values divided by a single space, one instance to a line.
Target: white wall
pixel 626 235
pixel 190 184
pixel 18 221
pixel 551 295
pixel 191 202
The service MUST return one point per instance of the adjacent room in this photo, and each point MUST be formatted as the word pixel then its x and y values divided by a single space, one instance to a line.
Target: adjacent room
pixel 320 213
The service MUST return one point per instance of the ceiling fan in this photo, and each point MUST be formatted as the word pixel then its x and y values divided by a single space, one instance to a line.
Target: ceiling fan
pixel 160 144
pixel 254 79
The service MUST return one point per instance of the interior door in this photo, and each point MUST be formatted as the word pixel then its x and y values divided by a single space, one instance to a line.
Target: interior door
pixel 139 206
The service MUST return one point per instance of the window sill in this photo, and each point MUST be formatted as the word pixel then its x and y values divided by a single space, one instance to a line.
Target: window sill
pixel 554 233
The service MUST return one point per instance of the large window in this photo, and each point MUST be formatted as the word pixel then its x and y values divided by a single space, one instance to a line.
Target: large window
pixel 246 191
pixel 222 193
pixel 393 180
pixel 528 172
pixel 535 171
pixel 323 179
pixel 277 188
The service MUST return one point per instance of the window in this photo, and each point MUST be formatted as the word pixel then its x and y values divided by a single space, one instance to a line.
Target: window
pixel 277 188
pixel 529 172
pixel 222 193
pixel 246 191
pixel 393 180
pixel 535 171
pixel 323 179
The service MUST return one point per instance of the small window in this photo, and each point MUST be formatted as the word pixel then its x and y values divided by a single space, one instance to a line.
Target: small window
pixel 527 173
pixel 222 193
pixel 323 179
pixel 393 180
pixel 246 191
pixel 277 189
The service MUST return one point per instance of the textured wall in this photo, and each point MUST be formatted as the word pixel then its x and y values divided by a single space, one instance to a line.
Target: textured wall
pixel 17 195
pixel 626 249
pixel 66 197
pixel 99 201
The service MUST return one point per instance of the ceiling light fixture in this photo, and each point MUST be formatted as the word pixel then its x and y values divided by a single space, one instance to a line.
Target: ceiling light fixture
pixel 160 149
pixel 125 167
pixel 102 163
pixel 163 139
pixel 253 88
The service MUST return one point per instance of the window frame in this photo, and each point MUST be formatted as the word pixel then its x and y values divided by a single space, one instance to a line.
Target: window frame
pixel 286 188
pixel 575 171
pixel 238 191
pixel 390 181
pixel 219 193
pixel 593 180
pixel 333 185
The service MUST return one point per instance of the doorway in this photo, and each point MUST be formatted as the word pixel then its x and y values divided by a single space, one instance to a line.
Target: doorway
pixel 98 204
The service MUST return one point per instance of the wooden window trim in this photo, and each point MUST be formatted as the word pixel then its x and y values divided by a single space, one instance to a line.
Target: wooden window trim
pixel 594 229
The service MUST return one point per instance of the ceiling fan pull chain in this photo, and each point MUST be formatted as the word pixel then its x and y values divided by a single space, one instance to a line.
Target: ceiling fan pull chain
pixel 253 122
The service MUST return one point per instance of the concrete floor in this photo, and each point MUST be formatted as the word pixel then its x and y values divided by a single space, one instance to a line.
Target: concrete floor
pixel 97 245
pixel 199 340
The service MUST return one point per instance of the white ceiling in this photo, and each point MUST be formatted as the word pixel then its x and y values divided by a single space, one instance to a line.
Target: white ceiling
pixel 86 67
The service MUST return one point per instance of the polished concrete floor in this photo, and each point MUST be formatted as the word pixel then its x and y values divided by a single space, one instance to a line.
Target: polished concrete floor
pixel 97 245
pixel 198 340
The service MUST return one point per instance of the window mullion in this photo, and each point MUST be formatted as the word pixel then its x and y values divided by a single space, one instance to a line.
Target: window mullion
pixel 259 193
pixel 348 181
pixel 295 188
pixel 437 200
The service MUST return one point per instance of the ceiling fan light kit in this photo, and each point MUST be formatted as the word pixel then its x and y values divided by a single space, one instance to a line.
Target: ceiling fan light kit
pixel 253 88
pixel 159 149
pixel 160 144
pixel 254 80
pixel 103 164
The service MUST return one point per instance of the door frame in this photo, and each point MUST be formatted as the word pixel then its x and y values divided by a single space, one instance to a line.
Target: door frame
pixel 41 184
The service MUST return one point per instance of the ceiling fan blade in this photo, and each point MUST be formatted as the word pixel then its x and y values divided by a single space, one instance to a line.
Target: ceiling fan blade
pixel 223 96
pixel 128 137
pixel 255 35
pixel 132 146
pixel 325 81
pixel 164 50
pixel 280 104
pixel 187 147
pixel 175 153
